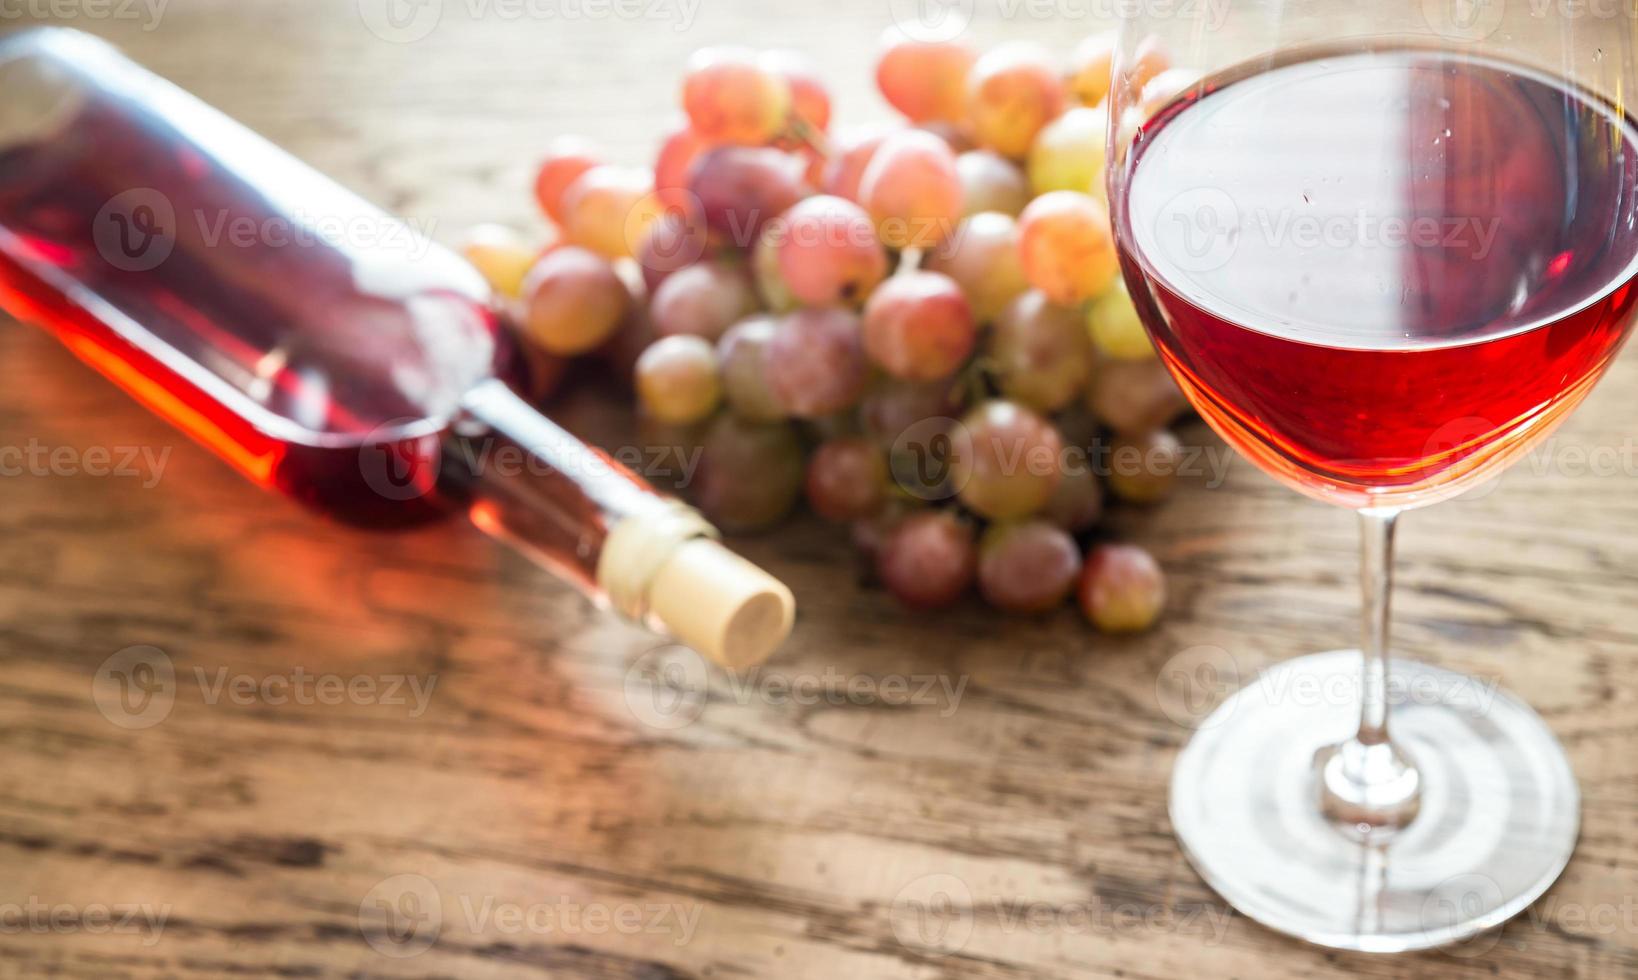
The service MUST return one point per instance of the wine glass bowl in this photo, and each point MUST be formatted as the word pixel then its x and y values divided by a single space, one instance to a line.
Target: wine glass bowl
pixel 1384 249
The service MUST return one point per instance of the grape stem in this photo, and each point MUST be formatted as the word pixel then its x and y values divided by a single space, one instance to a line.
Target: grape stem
pixel 910 261
pixel 798 128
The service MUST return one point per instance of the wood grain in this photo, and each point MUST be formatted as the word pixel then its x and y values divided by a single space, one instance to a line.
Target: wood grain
pixel 541 812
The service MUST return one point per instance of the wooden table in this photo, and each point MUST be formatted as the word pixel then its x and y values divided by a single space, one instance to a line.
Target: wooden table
pixel 503 781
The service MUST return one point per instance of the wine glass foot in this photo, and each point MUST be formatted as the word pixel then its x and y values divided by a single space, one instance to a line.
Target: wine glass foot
pixel 1497 818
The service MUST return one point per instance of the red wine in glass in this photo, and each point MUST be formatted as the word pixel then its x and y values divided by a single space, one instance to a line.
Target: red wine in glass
pixel 1417 278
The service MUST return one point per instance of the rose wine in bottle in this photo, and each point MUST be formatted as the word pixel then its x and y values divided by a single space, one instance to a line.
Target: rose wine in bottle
pixel 318 345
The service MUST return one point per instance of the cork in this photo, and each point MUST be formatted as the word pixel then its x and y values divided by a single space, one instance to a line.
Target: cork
pixel 721 605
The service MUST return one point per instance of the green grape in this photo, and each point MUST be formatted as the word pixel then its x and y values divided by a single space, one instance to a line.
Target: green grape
pixel 1006 461
pixel 1040 353
pixel 677 379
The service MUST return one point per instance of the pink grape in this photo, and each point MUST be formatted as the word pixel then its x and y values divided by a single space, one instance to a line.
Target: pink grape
pixel 501 256
pixel 1028 567
pixel 703 300
pixel 1090 69
pixel 829 253
pixel 673 164
pixel 770 280
pixel 1067 247
pixel 810 101
pixel 1006 461
pixel 1144 469
pixel 853 153
pixel 815 363
pixel 677 379
pixel 891 406
pixel 1012 92
pixel 991 182
pixel 676 240
pixel 741 189
pixel 750 474
pixel 730 99
pixel 919 326
pixel 568 159
pixel 1069 155
pixel 1122 589
pixel 925 80
pixel 1077 504
pixel 912 189
pixel 928 560
pixel 982 257
pixel 955 135
pixel 1040 353
pixel 847 479
pixel 610 209
pixel 572 301
pixel 744 384
pixel 1134 397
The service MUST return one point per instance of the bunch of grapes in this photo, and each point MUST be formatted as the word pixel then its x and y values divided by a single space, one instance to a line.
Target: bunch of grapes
pixel 920 328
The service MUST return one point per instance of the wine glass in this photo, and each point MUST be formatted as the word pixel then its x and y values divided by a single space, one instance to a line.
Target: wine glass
pixel 1384 249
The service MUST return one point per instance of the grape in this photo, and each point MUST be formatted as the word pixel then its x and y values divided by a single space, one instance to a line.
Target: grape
pixel 568 158
pixel 869 535
pixel 743 382
pixel 847 164
pixel 635 332
pixel 847 479
pixel 891 407
pixel 1122 589
pixel 955 135
pixel 1028 567
pixel 1116 327
pixel 1149 60
pixel 925 80
pixel 810 102
pixel 572 301
pixel 542 373
pixel 1077 504
pixel 609 210
pixel 1040 353
pixel 1091 68
pixel 919 326
pixel 828 252
pixel 928 560
pixel 1068 154
pixel 501 256
pixel 741 189
pixel 1143 470
pixel 730 99
pixel 770 281
pixel 676 240
pixel 1067 247
pixel 815 363
pixel 1012 92
pixel 991 182
pixel 1165 87
pixel 912 190
pixel 982 257
pixel 677 379
pixel 671 168
pixel 703 300
pixel 1134 397
pixel 1005 460
pixel 750 474
pixel 669 453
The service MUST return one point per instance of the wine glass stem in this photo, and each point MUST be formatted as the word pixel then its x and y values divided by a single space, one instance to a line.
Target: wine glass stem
pixel 1368 782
